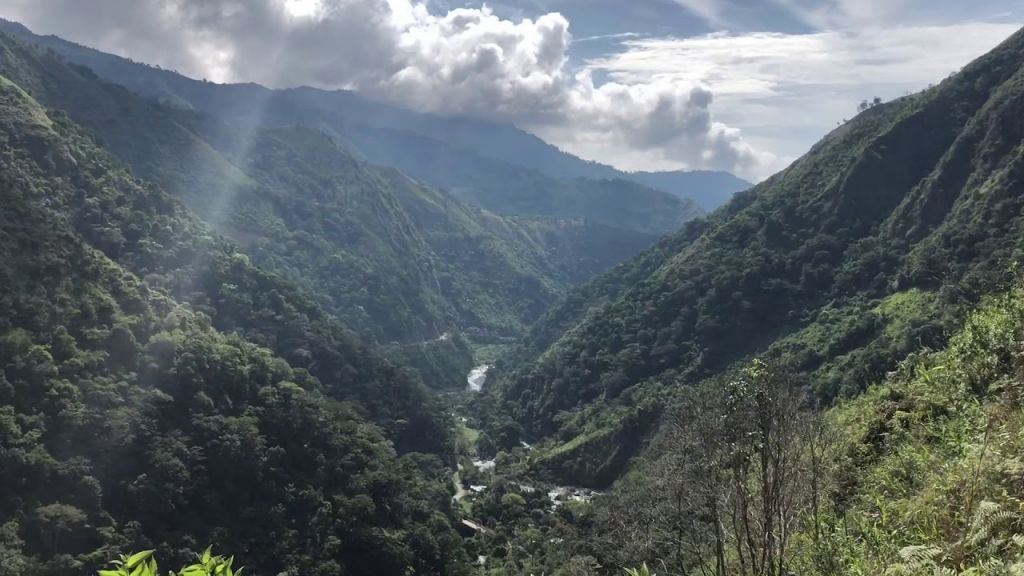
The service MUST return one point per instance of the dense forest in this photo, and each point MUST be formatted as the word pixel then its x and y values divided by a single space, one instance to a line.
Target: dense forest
pixel 242 318
pixel 158 390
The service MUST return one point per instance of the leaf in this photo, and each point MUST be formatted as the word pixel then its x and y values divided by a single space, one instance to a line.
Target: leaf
pixel 134 559
pixel 206 554
pixel 110 573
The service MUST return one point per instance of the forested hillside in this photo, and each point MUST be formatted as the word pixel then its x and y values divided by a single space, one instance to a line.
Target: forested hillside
pixel 919 475
pixel 865 250
pixel 511 189
pixel 157 389
pixel 393 260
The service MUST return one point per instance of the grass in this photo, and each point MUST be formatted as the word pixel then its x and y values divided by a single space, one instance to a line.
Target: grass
pixel 902 309
pixel 489 353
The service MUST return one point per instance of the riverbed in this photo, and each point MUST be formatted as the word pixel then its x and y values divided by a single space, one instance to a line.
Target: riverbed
pixel 477 378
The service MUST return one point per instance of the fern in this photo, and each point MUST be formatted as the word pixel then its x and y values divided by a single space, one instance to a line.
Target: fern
pixel 917 560
pixel 990 521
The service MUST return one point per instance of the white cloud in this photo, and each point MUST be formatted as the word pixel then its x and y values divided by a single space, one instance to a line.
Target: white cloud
pixel 786 90
pixel 763 64
pixel 653 125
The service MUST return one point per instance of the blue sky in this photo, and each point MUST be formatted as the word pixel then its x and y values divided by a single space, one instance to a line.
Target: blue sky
pixel 739 85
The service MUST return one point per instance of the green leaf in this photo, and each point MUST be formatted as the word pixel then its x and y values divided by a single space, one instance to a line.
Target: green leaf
pixel 134 559
pixel 206 554
pixel 110 573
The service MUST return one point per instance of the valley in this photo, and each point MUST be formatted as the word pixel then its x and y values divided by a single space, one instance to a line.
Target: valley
pixel 329 335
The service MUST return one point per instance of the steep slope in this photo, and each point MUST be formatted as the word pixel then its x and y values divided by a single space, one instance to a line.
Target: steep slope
pixel 865 249
pixel 923 466
pixel 486 275
pixel 919 475
pixel 396 137
pixel 369 245
pixel 156 390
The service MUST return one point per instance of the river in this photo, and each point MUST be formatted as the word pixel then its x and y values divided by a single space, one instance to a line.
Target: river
pixel 477 378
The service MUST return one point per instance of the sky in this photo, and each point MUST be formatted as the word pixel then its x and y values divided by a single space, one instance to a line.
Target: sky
pixel 740 85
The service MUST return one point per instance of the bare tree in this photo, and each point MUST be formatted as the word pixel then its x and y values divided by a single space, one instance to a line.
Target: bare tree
pixel 766 418
pixel 732 473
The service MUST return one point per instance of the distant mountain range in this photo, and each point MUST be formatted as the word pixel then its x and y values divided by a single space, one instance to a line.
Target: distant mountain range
pixel 392 136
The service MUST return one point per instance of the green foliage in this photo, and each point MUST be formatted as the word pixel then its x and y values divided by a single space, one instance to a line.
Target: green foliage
pixel 871 246
pixel 923 478
pixel 441 363
pixel 144 564
pixel 157 389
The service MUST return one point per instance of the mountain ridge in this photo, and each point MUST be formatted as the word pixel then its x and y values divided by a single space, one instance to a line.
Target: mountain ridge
pixel 496 141
pixel 866 248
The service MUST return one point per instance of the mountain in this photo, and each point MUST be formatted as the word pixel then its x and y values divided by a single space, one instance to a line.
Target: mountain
pixel 157 388
pixel 393 136
pixel 392 259
pixel 917 475
pixel 716 188
pixel 507 188
pixel 866 249
pixel 506 143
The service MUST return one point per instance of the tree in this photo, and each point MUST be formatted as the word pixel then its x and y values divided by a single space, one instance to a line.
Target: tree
pixel 733 473
pixel 868 104
pixel 768 469
pixel 57 519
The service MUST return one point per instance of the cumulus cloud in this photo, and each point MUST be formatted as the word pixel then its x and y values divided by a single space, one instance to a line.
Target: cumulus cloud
pixel 461 61
pixel 654 125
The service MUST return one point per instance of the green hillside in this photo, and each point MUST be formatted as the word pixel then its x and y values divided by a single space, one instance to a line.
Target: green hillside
pixel 919 475
pixel 866 249
pixel 222 324
pixel 156 389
